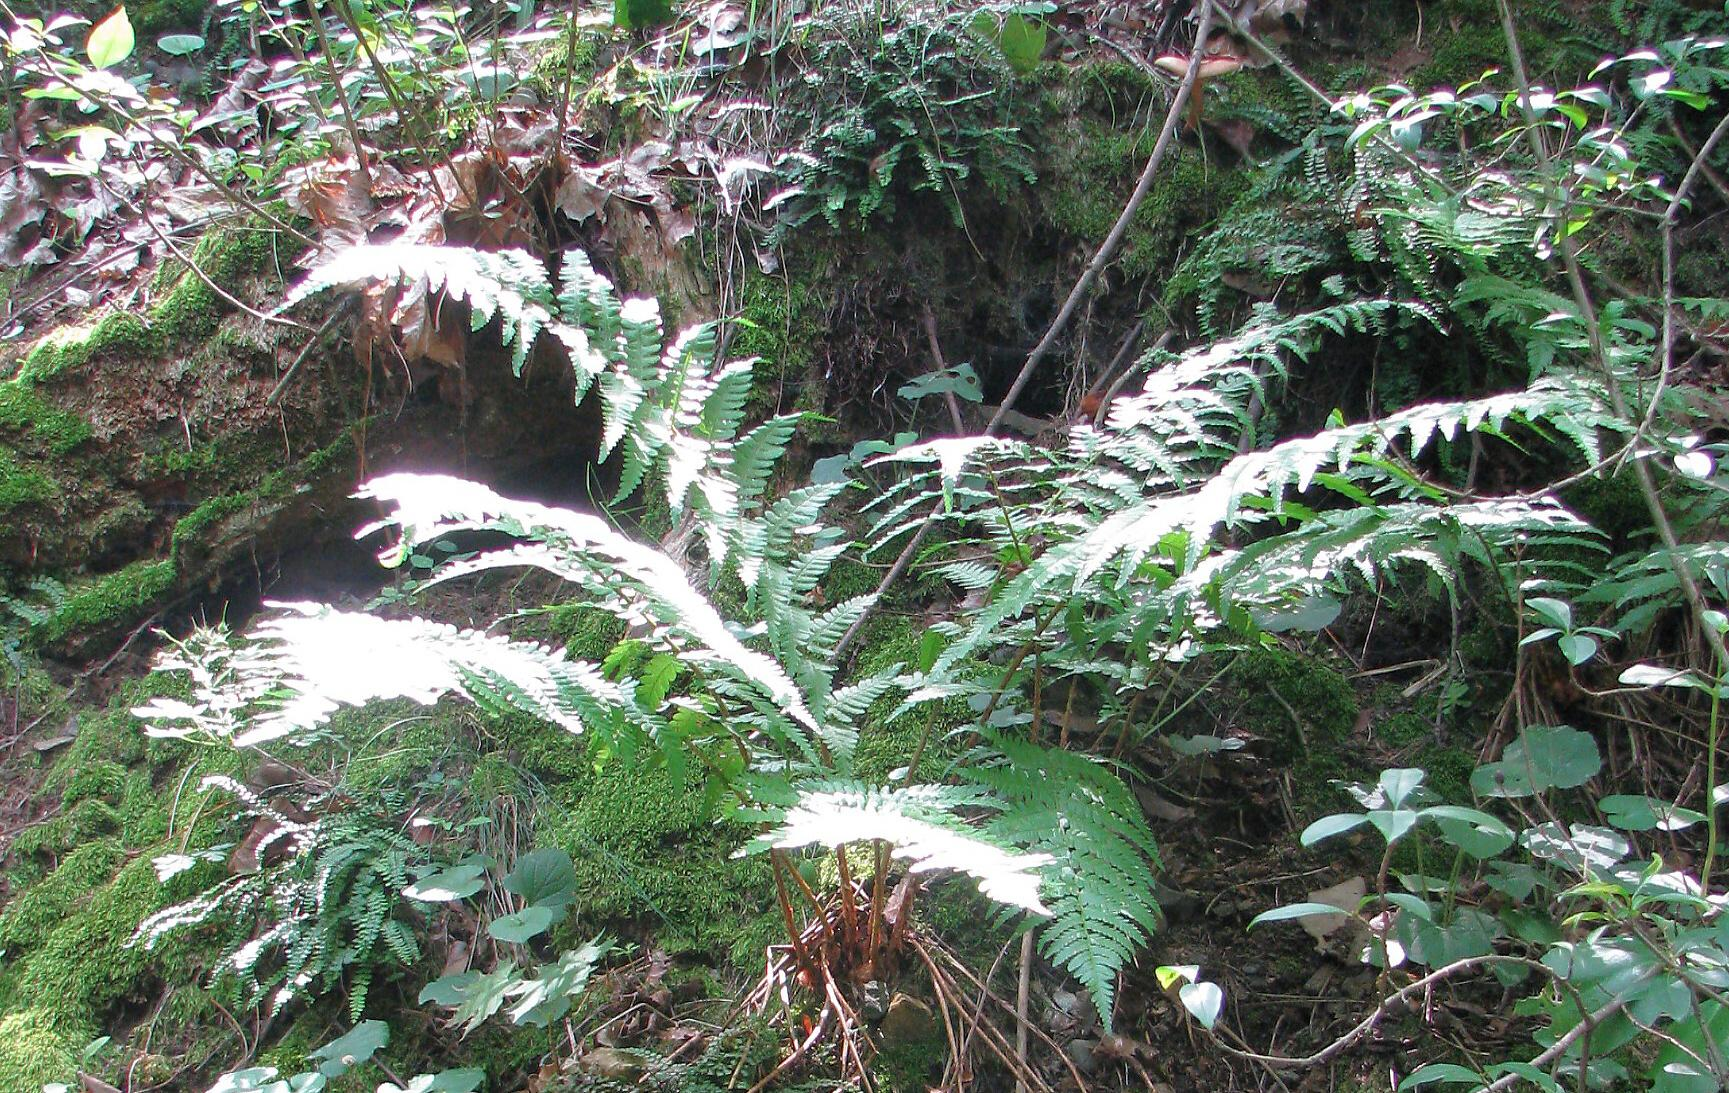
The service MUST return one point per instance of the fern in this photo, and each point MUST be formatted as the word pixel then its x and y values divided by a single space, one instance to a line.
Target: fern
pixel 918 823
pixel 331 911
pixel 510 285
pixel 1100 893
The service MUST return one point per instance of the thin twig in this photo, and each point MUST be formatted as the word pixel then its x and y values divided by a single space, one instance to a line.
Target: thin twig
pixel 1108 249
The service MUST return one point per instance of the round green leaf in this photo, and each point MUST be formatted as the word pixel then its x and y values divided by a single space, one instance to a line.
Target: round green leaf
pixel 457 882
pixel 179 45
pixel 1544 757
pixel 111 40
pixel 524 924
pixel 346 1052
pixel 1632 812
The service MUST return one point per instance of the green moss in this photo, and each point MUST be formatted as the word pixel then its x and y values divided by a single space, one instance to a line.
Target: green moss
pixel 780 321
pixel 113 597
pixel 21 486
pixel 1090 178
pixel 36 910
pixel 76 826
pixel 124 594
pixel 193 309
pixel 23 411
pixel 157 16
pixel 103 780
pixel 1304 710
pixel 84 966
pixel 648 851
pixel 884 744
pixel 588 633
pixel 37 1048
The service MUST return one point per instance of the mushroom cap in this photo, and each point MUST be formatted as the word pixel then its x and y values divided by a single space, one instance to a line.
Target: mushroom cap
pixel 1212 64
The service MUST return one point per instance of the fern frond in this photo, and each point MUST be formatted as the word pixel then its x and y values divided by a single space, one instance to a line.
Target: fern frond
pixel 918 823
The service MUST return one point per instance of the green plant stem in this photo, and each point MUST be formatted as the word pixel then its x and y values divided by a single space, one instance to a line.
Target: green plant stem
pixel 1642 476
pixel 316 18
pixel 1712 732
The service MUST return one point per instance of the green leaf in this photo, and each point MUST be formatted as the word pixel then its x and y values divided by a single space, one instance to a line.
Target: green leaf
pixel 346 1052
pixel 526 923
pixel 1169 975
pixel 1557 613
pixel 466 1080
pixel 1476 833
pixel 1632 812
pixel 546 998
pixel 1543 757
pixel 1399 783
pixel 1430 1073
pixel 543 877
pixel 447 885
pixel 1676 1071
pixel 1577 648
pixel 1393 823
pixel 250 1080
pixel 475 996
pixel 111 40
pixel 1311 614
pixel 179 45
pixel 1328 826
pixel 1295 910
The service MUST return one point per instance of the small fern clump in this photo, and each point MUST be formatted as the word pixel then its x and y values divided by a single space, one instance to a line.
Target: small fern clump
pixel 316 904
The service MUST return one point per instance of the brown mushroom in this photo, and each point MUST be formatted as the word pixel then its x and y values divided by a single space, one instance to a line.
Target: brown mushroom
pixel 1221 59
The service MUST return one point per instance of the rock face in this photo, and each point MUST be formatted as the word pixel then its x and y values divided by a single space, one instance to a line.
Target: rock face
pixel 146 466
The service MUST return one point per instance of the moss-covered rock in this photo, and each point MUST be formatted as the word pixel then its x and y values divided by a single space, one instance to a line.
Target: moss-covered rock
pixel 36 1048
pixel 650 853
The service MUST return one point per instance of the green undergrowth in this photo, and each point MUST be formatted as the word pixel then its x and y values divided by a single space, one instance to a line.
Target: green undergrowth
pixel 780 322
pixel 80 881
pixel 1303 709
pixel 651 856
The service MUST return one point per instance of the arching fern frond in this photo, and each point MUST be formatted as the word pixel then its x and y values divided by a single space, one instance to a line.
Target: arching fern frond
pixel 918 823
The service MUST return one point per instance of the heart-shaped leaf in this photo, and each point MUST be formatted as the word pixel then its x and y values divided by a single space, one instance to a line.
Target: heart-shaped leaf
pixel 546 876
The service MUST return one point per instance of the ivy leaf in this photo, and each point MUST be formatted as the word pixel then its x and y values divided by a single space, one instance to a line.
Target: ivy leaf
pixel 346 1052
pixel 111 40
pixel 545 877
pixel 519 927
